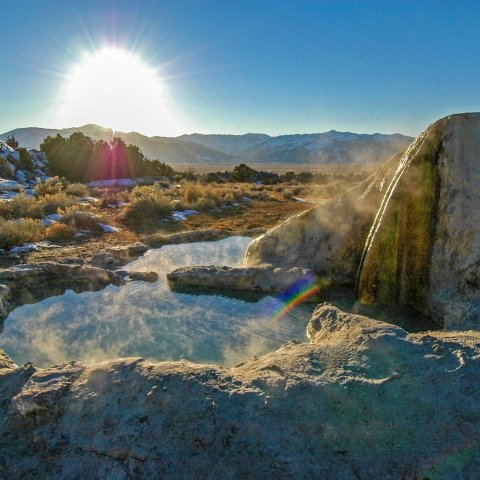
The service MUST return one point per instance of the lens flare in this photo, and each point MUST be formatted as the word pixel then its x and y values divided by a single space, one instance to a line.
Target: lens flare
pixel 295 295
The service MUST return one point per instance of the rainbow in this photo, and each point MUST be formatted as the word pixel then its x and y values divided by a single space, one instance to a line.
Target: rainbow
pixel 295 295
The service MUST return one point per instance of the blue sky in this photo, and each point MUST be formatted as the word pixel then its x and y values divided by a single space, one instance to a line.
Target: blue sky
pixel 256 66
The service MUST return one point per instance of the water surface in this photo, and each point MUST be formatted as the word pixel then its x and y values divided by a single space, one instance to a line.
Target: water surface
pixel 149 320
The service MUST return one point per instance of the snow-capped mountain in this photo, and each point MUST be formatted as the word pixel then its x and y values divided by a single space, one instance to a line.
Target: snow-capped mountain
pixel 315 148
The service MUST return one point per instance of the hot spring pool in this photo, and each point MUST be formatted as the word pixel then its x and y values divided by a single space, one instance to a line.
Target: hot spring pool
pixel 149 320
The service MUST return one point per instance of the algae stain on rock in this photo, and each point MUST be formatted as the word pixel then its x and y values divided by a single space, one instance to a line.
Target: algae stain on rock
pixel 395 263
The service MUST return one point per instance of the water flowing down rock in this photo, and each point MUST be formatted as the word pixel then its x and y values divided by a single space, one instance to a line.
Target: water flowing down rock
pixel 424 245
pixel 363 400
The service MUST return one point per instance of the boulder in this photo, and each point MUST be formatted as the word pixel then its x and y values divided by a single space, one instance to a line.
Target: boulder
pixel 364 400
pixel 260 279
pixel 424 245
pixel 115 257
pixel 329 238
pixel 144 276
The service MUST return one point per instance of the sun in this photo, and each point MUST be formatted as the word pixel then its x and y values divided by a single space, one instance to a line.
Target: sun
pixel 116 89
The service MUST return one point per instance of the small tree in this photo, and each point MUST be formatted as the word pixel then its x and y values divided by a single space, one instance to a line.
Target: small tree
pixel 12 142
pixel 25 161
pixel 243 173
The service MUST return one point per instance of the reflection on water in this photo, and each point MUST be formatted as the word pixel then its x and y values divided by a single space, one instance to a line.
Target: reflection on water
pixel 149 320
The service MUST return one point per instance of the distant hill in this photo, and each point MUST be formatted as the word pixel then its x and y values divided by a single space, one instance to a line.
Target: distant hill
pixel 316 148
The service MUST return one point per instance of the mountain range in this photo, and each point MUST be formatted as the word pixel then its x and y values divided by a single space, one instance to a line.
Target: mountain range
pixel 315 148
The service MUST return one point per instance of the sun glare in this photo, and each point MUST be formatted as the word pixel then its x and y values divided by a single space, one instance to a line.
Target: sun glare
pixel 116 89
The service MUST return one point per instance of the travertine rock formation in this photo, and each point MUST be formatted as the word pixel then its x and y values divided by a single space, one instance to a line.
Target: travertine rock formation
pixel 424 246
pixel 328 239
pixel 363 400
pixel 417 221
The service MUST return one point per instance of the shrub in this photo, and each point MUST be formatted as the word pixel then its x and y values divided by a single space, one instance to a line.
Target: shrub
pixel 77 190
pixel 25 160
pixel 59 231
pixel 110 196
pixel 147 204
pixel 20 206
pixel 18 232
pixel 5 169
pixel 12 142
pixel 79 220
pixel 51 203
pixel 23 206
pixel 50 186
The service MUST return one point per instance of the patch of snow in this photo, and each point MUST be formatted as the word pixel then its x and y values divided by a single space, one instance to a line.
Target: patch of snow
pixel 21 175
pixel 109 228
pixel 114 182
pixel 117 205
pixel 9 185
pixel 300 200
pixel 30 247
pixel 88 199
pixel 54 216
pixel 46 222
pixel 180 216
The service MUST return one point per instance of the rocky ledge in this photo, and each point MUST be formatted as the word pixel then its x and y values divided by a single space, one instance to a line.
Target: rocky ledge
pixel 32 282
pixel 115 257
pixel 260 279
pixel 363 400
pixel 157 240
pixel 29 283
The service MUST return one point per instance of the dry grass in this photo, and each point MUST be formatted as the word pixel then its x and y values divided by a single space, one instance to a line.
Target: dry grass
pixel 77 190
pixel 23 206
pixel 51 186
pixel 18 232
pixel 147 205
pixel 150 206
pixel 59 232
pixel 81 220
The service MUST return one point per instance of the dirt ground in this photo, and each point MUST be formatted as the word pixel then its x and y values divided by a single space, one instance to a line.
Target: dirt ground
pixel 264 214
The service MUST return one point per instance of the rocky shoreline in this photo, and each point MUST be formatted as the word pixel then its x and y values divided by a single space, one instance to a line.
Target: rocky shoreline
pixel 31 282
pixel 364 399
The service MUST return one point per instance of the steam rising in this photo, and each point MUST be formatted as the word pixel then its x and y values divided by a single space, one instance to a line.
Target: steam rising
pixel 149 320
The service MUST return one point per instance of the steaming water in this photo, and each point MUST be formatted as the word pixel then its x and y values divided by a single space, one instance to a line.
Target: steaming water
pixel 149 320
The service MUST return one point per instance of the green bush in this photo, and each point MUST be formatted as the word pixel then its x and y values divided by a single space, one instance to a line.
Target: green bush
pixel 5 169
